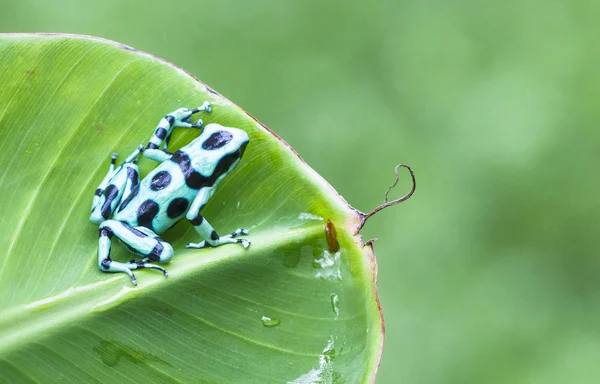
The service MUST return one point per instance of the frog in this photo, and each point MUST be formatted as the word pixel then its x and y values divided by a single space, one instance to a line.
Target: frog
pixel 138 212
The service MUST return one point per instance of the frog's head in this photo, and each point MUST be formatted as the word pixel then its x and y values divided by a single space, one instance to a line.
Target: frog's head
pixel 223 140
pixel 219 148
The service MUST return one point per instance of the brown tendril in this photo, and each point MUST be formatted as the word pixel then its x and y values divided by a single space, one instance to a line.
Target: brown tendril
pixel 393 202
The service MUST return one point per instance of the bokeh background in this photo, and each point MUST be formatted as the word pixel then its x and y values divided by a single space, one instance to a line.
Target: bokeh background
pixel 491 272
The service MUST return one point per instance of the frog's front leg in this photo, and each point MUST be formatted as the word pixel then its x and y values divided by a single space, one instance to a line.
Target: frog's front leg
pixel 204 229
pixel 139 240
pixel 116 184
pixel 162 133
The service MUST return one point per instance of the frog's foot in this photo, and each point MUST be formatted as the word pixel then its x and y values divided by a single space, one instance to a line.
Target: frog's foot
pixel 186 123
pixel 133 264
pixel 107 265
pixel 237 232
pixel 216 241
pixel 115 266
pixel 199 124
pixel 182 117
pixel 205 107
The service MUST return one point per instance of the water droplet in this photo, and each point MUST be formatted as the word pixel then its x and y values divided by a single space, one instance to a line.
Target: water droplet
pixel 328 353
pixel 328 266
pixel 238 205
pixel 324 373
pixel 270 321
pixel 335 302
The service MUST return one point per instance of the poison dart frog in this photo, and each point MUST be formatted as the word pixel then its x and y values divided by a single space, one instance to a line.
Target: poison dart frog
pixel 137 212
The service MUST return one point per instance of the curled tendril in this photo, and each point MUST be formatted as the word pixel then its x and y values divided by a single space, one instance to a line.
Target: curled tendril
pixel 387 203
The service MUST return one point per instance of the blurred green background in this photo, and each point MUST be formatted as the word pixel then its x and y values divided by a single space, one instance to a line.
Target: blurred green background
pixel 490 273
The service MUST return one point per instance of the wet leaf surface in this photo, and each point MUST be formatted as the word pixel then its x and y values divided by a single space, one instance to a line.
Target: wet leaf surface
pixel 298 306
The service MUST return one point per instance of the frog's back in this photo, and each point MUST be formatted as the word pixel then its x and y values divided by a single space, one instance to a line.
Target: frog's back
pixel 160 200
pixel 164 196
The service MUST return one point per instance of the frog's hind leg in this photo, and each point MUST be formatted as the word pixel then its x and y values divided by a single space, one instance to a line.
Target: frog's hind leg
pixel 215 240
pixel 138 240
pixel 117 183
pixel 104 183
pixel 204 229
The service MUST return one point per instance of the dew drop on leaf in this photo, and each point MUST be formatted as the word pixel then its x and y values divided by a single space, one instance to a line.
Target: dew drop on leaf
pixel 270 321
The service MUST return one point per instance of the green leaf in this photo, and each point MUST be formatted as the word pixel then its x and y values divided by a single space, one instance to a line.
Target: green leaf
pixel 288 309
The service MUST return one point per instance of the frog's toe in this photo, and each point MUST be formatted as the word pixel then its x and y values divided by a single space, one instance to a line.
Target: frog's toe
pixel 228 239
pixel 206 107
pixel 199 124
pixel 245 243
pixel 142 265
pixel 238 232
